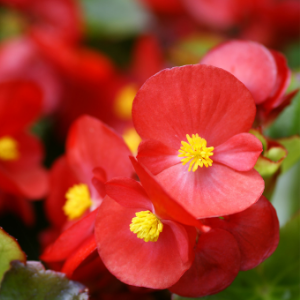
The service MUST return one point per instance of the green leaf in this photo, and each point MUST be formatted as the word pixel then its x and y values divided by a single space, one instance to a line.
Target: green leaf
pixel 9 251
pixel 292 144
pixel 31 281
pixel 115 18
pixel 277 278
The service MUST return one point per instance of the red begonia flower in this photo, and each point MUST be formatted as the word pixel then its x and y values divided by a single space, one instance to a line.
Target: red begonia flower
pixel 211 103
pixel 264 72
pixel 155 259
pixel 22 173
pixel 255 229
pixel 92 149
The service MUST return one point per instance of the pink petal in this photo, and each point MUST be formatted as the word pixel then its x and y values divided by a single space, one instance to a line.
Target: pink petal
pixel 250 62
pixel 192 99
pixel 239 153
pixel 92 144
pixel 70 239
pixel 165 206
pixel 129 193
pixel 216 264
pixel 82 253
pixel 256 231
pixel 157 156
pixel 213 191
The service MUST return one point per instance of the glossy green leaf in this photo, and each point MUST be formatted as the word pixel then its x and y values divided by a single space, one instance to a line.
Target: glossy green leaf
pixel 31 281
pixel 115 18
pixel 292 144
pixel 277 278
pixel 9 251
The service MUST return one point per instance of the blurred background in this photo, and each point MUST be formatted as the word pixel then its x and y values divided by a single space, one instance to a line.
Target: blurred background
pixel 91 57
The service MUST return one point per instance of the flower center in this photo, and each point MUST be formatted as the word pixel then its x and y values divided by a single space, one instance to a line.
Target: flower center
pixel 196 152
pixel 8 148
pixel 146 226
pixel 78 201
pixel 123 102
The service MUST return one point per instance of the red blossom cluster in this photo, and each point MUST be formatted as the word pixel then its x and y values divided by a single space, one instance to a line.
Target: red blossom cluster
pixel 159 192
pixel 189 229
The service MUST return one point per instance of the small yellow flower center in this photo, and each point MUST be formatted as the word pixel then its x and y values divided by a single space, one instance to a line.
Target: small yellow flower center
pixel 8 148
pixel 132 139
pixel 146 226
pixel 123 102
pixel 78 201
pixel 195 152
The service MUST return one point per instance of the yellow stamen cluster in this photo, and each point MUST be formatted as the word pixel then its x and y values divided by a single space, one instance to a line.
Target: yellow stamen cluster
pixel 196 152
pixel 78 201
pixel 8 148
pixel 123 102
pixel 132 139
pixel 147 226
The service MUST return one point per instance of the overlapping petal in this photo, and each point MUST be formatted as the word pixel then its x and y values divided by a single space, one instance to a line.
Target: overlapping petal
pixel 255 229
pixel 213 191
pixel 239 153
pixel 91 144
pixel 189 100
pixel 216 264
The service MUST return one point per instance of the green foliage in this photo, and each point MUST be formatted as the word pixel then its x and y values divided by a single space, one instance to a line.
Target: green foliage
pixel 277 278
pixel 292 144
pixel 9 251
pixel 31 281
pixel 115 18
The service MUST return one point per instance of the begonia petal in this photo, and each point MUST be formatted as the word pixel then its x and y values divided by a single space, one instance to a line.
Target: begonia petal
pixel 129 193
pixel 239 152
pixel 192 99
pixel 61 179
pixel 282 81
pixel 92 144
pixel 252 63
pixel 132 260
pixel 165 206
pixel 70 239
pixel 185 236
pixel 157 156
pixel 213 191
pixel 216 264
pixel 85 250
pixel 256 231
